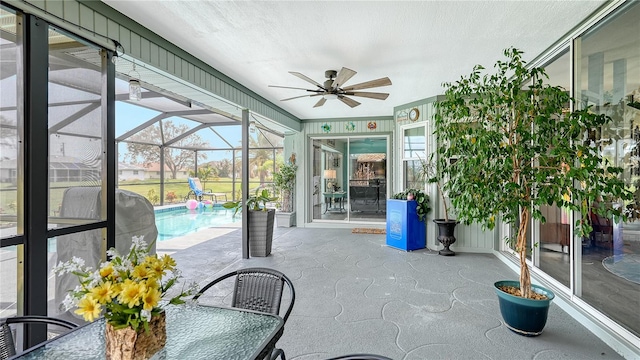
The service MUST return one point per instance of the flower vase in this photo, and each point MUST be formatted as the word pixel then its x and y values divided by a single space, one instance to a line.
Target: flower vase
pixel 129 344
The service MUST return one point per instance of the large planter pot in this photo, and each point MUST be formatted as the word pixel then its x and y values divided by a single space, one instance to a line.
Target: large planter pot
pixel 525 317
pixel 446 229
pixel 286 219
pixel 129 344
pixel 261 232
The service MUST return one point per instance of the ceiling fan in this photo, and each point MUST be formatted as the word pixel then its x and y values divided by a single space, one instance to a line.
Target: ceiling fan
pixel 334 88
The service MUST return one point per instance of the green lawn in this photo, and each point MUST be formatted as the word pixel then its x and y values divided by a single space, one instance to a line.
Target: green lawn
pixel 179 187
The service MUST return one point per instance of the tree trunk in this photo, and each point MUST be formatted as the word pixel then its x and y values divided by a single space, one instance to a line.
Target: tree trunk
pixel 521 247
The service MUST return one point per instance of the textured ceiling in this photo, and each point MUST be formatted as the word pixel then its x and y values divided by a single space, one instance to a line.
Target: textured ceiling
pixel 417 44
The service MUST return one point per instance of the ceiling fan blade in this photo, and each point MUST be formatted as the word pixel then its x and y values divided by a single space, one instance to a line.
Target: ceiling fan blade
pixel 320 102
pixel 295 97
pixel 343 76
pixel 369 84
pixel 348 101
pixel 372 95
pixel 301 96
pixel 289 87
pixel 305 78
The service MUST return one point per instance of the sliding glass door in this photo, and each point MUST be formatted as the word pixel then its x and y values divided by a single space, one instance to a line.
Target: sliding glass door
pixel 349 179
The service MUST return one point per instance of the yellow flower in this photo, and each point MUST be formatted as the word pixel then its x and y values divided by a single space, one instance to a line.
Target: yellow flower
pixel 566 197
pixel 103 293
pixel 156 266
pixel 140 271
pixel 473 140
pixel 150 299
pixel 131 293
pixel 106 271
pixel 152 282
pixel 88 308
pixel 116 288
pixel 169 263
pixel 579 153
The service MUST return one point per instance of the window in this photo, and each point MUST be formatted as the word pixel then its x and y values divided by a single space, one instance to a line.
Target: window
pixel 414 148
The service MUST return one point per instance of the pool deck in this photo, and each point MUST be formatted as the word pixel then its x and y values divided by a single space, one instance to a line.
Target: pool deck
pixel 354 294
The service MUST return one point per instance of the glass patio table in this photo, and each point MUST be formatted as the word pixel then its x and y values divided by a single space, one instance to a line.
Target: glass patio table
pixel 193 332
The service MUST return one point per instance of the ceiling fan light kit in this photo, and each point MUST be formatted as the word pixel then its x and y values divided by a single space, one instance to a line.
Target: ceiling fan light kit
pixel 333 88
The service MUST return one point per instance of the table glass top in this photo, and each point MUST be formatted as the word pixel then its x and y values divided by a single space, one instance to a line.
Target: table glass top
pixel 193 332
pixel 335 193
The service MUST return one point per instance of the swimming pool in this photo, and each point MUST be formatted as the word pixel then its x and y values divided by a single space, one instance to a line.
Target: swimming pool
pixel 180 221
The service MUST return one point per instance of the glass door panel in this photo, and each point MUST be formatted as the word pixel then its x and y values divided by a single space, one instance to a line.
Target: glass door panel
pixel 367 179
pixel 554 238
pixel 607 80
pixel 328 179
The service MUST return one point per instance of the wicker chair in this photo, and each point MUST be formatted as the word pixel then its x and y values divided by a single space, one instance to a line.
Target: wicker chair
pixel 361 357
pixel 7 347
pixel 258 289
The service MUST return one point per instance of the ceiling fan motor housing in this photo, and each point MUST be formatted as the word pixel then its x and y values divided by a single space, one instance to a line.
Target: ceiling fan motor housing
pixel 330 74
pixel 328 84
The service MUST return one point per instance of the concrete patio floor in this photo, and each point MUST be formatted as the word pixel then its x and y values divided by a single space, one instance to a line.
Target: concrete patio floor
pixel 354 294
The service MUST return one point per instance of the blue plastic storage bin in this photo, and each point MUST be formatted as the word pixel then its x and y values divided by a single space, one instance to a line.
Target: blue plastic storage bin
pixel 404 230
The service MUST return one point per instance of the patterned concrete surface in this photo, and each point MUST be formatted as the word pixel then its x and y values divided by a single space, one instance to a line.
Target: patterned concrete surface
pixel 354 294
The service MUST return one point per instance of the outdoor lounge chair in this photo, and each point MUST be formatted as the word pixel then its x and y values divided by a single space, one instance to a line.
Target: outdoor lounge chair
pixel 196 189
pixel 258 289
pixel 198 192
pixel 7 346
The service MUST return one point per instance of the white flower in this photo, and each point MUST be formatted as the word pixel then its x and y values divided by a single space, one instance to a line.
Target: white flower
pixel 69 302
pixel 126 266
pixel 137 243
pixel 73 265
pixel 192 288
pixel 146 315
pixel 94 279
pixel 112 253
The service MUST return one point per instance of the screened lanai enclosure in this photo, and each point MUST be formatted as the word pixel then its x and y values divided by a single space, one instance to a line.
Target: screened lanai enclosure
pixel 164 134
pixel 90 109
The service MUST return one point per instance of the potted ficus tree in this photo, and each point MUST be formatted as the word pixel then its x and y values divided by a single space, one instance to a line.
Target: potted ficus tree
pixel 519 147
pixel 261 221
pixel 284 181
pixel 429 173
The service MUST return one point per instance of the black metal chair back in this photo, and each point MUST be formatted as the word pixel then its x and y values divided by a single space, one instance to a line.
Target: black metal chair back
pixel 7 344
pixel 258 289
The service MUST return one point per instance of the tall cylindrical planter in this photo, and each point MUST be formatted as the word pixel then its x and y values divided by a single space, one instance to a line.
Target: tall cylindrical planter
pixel 523 316
pixel 261 232
pixel 446 236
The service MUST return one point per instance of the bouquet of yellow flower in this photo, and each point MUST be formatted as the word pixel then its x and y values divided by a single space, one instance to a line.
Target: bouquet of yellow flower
pixel 129 289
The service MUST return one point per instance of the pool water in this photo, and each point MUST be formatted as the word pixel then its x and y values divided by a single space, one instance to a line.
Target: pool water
pixel 182 221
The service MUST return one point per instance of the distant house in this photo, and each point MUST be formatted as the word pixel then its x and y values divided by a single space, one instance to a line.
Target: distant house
pixel 8 171
pixel 61 169
pixel 128 172
pixel 153 172
pixel 70 169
